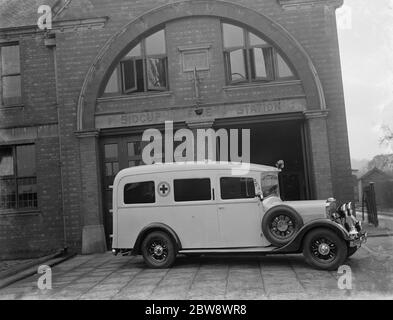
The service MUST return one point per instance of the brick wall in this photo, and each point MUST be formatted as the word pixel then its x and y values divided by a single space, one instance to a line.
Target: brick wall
pixel 37 233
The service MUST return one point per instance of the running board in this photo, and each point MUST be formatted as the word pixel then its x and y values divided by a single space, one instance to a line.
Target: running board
pixel 229 250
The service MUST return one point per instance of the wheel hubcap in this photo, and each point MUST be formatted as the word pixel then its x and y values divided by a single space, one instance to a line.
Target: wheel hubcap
pixel 324 249
pixel 282 226
pixel 158 250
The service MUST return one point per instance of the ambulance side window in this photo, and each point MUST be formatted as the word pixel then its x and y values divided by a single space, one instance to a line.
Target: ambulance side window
pixel 192 190
pixel 139 192
pixel 237 188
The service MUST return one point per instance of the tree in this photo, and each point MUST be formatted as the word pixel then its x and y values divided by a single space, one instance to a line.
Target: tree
pixel 387 136
pixel 383 162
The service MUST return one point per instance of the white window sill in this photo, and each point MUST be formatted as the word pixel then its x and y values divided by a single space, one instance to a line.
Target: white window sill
pixel 260 84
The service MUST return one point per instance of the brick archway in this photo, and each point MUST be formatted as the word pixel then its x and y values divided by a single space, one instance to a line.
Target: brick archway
pixel 128 36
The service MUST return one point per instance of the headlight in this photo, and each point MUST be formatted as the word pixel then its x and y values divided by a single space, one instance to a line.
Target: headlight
pixel 331 207
pixel 347 210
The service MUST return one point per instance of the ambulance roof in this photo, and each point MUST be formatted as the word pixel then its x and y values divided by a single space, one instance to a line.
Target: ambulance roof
pixel 191 166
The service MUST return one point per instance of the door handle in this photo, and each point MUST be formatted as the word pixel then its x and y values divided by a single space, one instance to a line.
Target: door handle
pixel 221 207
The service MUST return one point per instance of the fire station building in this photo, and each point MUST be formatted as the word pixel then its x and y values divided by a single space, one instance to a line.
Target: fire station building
pixel 77 97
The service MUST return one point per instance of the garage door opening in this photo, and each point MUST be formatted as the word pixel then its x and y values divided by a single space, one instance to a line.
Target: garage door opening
pixel 281 140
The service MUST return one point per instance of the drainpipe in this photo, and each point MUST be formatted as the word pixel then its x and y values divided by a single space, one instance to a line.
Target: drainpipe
pixel 50 42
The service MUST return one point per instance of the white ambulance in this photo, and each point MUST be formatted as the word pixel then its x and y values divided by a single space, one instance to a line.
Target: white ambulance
pixel 163 210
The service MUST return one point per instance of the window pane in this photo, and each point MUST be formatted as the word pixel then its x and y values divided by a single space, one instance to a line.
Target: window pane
pixel 233 36
pixel 192 190
pixel 269 185
pixel 283 68
pixel 155 44
pixel 7 194
pixel 129 77
pixel 237 65
pixel 156 73
pixel 27 193
pixel 135 52
pixel 115 167
pixel 237 188
pixel 6 162
pixel 108 169
pixel 11 87
pixel 111 151
pixel 134 149
pixel 258 65
pixel 25 159
pixel 113 83
pixel 10 60
pixel 140 76
pixel 255 40
pixel 139 192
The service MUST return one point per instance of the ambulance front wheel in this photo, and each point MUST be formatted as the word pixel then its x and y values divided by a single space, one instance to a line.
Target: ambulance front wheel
pixel 158 250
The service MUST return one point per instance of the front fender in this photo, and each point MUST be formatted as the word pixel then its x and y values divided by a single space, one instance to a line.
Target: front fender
pixel 295 246
pixel 156 226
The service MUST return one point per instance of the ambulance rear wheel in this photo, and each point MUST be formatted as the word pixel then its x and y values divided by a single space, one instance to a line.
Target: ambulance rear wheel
pixel 158 250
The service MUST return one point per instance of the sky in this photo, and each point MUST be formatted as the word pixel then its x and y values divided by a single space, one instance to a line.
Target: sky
pixel 365 30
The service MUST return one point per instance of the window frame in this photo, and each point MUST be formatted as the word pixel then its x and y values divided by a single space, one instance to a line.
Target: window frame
pixel 15 178
pixel 144 57
pixel 276 69
pixel 236 199
pixel 211 199
pixel 140 203
pixel 271 75
pixel 2 76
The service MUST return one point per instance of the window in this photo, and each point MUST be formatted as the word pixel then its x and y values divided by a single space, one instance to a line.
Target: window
pixel 237 188
pixel 192 190
pixel 142 69
pixel 10 86
pixel 270 185
pixel 249 58
pixel 18 182
pixel 139 192
pixel 111 160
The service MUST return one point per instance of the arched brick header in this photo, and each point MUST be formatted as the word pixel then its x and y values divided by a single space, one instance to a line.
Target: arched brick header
pixel 127 37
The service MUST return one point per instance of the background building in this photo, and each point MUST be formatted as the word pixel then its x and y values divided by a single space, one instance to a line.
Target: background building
pixel 75 100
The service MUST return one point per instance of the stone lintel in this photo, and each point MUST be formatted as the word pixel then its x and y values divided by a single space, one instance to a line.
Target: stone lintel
pixel 87 133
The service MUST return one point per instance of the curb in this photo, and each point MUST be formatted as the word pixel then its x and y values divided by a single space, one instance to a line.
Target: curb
pixel 379 235
pixel 17 269
pixel 31 269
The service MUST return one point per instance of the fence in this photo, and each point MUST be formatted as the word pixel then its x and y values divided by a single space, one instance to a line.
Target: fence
pixel 369 201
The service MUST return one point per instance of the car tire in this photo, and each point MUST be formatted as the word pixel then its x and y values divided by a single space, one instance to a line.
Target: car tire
pixel 324 249
pixel 351 251
pixel 280 225
pixel 158 250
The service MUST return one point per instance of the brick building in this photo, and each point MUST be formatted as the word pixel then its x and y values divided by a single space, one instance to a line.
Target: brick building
pixel 75 100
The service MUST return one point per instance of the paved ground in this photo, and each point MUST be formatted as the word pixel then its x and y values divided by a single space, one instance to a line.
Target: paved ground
pixel 275 277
